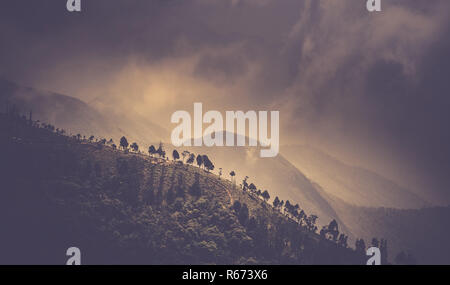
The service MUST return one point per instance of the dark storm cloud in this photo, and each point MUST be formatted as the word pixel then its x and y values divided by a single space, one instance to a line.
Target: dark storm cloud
pixel 387 80
pixel 221 68
pixel 331 67
pixel 42 33
pixel 376 80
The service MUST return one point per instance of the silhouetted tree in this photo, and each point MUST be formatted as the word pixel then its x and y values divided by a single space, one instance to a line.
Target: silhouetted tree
pixel 161 152
pixel 207 163
pixel 323 232
pixel 233 174
pixel 175 155
pixel 311 223
pixel 191 159
pixel 266 195
pixel 342 240
pixel 245 184
pixel 124 143
pixel 199 160
pixel 276 202
pixel 151 150
pixel 287 207
pixel 185 154
pixel 333 229
pixel 134 146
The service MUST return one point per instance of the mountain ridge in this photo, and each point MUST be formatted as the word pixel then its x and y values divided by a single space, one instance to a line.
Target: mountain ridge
pixel 75 115
pixel 355 185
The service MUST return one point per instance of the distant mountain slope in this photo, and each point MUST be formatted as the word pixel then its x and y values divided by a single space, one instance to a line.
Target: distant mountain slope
pixel 354 185
pixel 64 111
pixel 76 116
pixel 423 232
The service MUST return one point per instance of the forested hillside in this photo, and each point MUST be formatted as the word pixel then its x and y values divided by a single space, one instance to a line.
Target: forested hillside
pixel 119 205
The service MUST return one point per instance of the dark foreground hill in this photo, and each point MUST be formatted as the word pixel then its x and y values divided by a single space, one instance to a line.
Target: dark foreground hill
pixel 121 208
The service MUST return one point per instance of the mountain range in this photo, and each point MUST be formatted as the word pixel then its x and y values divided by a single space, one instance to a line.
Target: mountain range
pixel 364 203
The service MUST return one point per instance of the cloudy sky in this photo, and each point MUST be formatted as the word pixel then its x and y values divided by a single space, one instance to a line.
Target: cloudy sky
pixel 370 88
